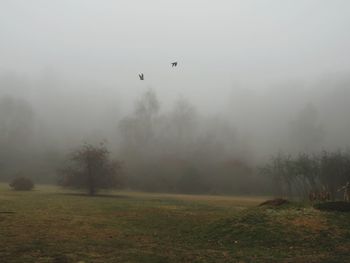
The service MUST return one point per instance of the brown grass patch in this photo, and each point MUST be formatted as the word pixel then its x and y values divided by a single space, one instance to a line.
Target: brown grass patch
pixel 314 224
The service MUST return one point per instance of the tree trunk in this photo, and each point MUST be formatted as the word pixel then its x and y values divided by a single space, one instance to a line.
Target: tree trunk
pixel 91 181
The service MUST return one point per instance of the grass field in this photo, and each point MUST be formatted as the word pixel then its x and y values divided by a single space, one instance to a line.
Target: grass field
pixel 54 225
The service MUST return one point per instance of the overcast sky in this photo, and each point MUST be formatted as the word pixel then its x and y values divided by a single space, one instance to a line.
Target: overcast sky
pixel 250 62
pixel 218 44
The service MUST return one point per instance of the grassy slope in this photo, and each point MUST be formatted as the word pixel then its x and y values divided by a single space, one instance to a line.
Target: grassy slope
pixel 51 226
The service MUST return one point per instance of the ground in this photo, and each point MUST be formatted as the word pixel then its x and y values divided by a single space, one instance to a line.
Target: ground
pixel 54 225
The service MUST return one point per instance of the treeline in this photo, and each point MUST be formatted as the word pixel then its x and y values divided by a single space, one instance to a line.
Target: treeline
pixel 174 150
pixel 302 174
pixel 180 151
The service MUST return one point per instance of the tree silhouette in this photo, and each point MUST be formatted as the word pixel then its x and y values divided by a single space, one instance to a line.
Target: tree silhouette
pixel 90 167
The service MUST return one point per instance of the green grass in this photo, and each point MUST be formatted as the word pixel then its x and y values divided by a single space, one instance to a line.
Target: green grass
pixel 55 225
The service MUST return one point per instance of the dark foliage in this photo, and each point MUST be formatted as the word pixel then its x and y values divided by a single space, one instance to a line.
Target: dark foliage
pixel 334 206
pixel 22 184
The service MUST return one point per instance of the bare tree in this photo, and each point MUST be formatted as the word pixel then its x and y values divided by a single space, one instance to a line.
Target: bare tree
pixel 334 170
pixel 90 167
pixel 138 129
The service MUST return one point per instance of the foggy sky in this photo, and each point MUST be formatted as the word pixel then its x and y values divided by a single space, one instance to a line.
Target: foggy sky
pixel 254 62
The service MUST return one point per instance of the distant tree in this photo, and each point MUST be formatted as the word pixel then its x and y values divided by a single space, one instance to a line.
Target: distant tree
pixel 306 131
pixel 17 121
pixel 148 106
pixel 178 129
pixel 137 130
pixel 90 167
pixel 183 118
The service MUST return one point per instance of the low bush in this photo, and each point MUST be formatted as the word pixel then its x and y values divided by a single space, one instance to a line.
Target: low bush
pixel 22 184
pixel 339 206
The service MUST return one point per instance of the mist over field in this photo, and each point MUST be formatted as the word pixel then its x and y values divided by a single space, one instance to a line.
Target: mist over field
pixel 253 78
pixel 174 131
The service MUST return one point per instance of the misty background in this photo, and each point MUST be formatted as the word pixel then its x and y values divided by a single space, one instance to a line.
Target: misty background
pixel 253 78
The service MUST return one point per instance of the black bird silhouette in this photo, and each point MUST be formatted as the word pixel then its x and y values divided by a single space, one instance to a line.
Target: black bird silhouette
pixel 174 64
pixel 141 76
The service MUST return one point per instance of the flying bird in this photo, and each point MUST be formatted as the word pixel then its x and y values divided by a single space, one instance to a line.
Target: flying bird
pixel 174 64
pixel 141 76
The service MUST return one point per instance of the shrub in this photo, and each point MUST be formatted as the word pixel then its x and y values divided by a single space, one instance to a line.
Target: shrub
pixel 22 184
pixel 340 206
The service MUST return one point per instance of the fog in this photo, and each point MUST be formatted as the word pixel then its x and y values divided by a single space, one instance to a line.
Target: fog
pixel 253 78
